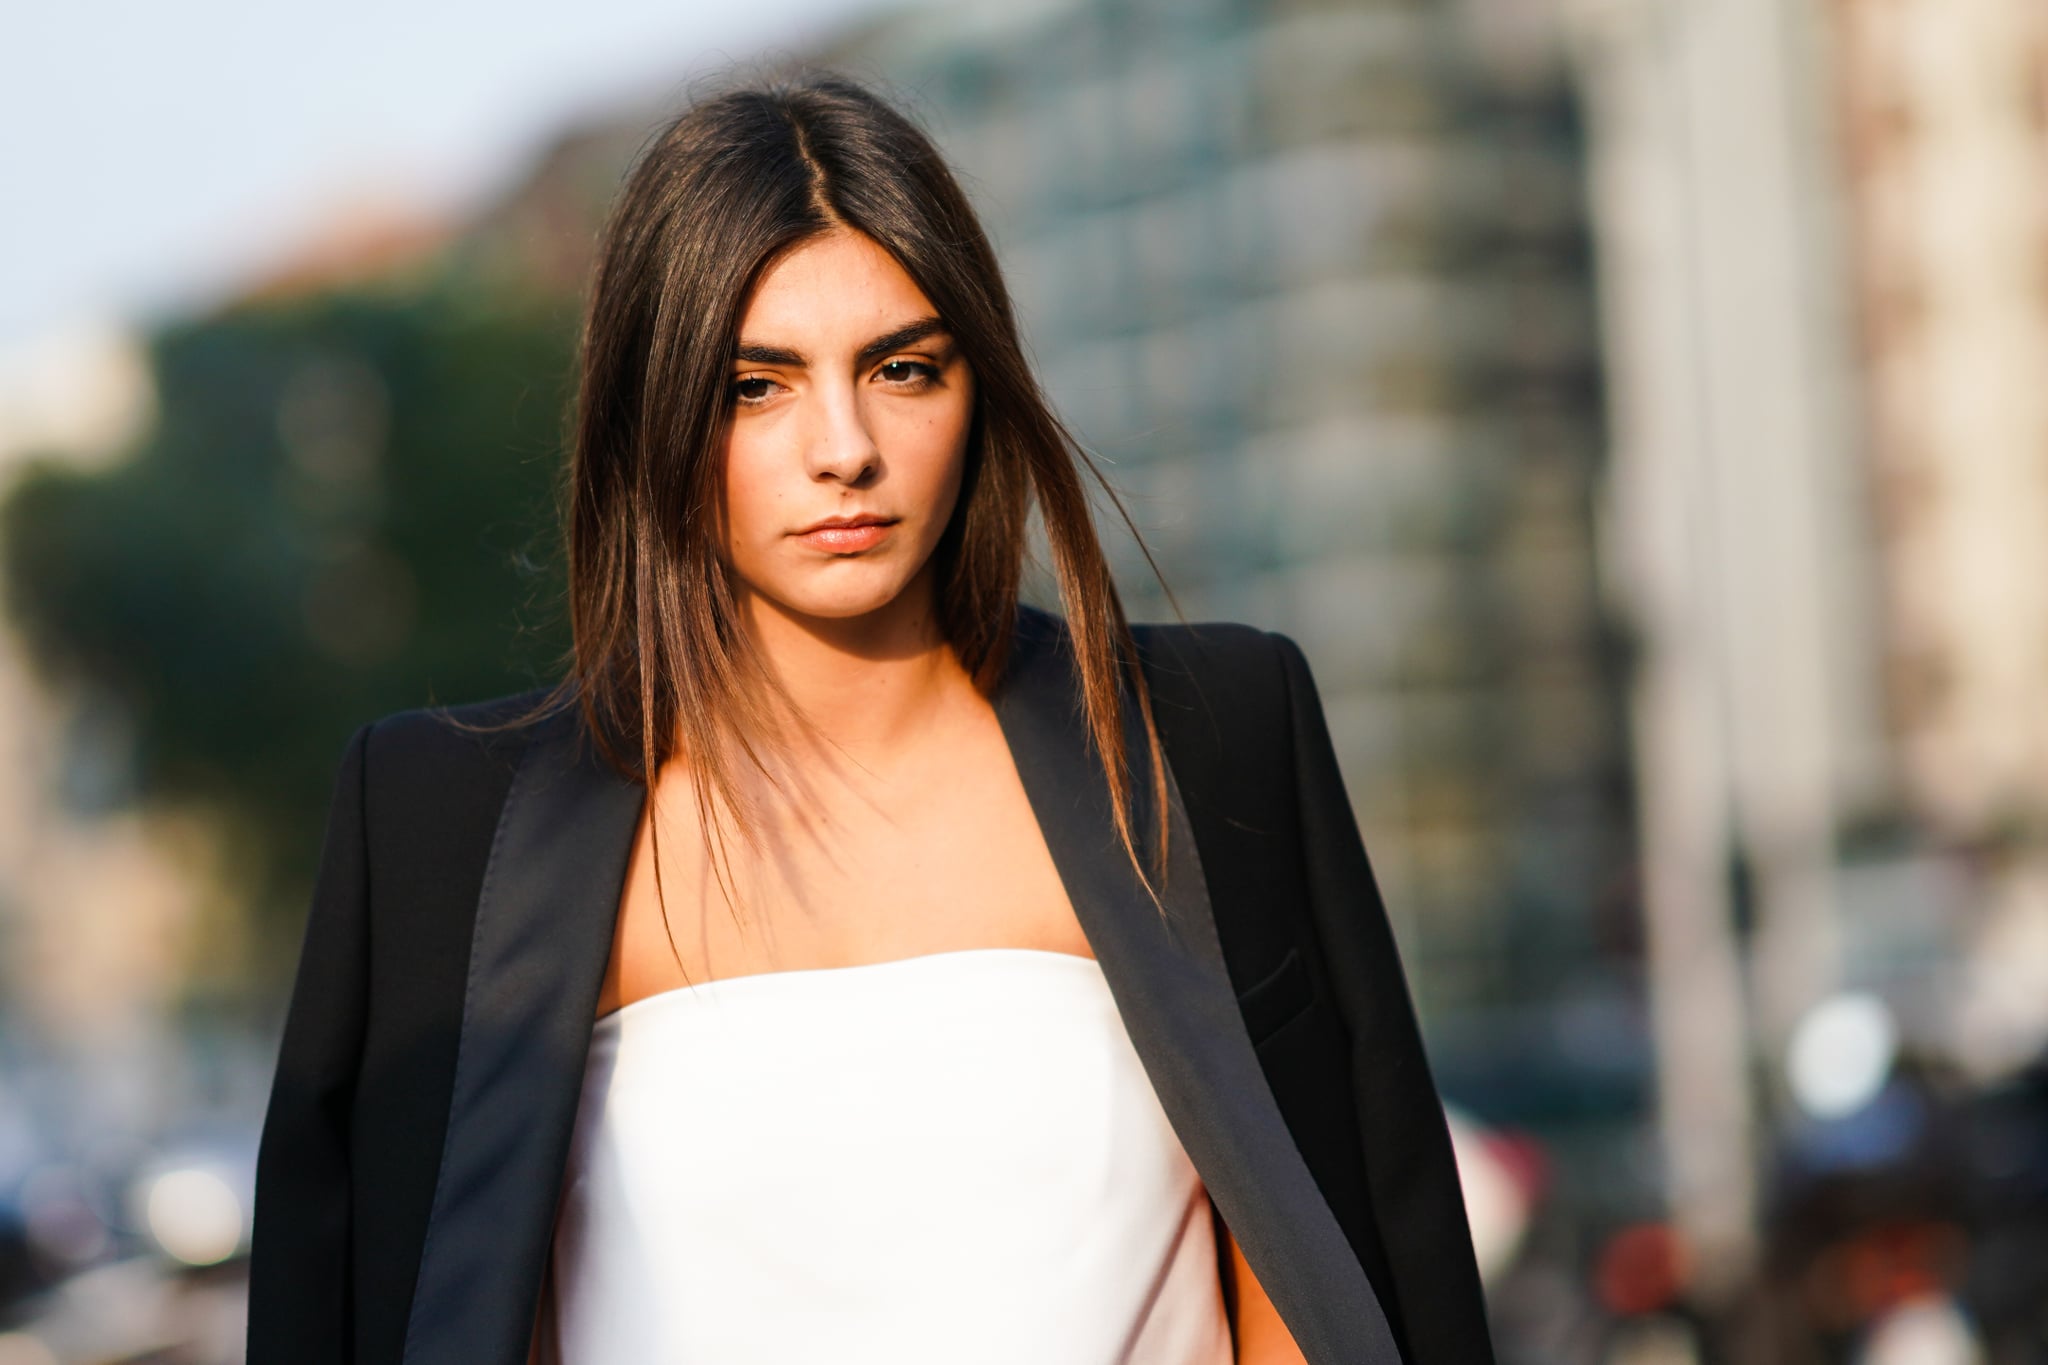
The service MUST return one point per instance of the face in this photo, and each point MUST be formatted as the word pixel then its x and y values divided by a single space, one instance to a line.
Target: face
pixel 848 400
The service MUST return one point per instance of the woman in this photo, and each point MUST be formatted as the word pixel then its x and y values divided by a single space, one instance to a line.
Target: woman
pixel 846 961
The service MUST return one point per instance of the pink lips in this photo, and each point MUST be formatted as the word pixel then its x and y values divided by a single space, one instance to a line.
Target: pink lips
pixel 847 537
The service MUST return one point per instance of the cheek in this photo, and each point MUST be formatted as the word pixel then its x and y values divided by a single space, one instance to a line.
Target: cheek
pixel 752 496
pixel 931 446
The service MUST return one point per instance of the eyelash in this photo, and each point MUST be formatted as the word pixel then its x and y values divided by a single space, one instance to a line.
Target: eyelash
pixel 926 375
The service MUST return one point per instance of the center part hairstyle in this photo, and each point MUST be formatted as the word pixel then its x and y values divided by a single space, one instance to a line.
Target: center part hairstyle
pixel 660 662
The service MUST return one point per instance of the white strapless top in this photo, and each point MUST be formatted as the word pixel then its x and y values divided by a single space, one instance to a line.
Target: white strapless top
pixel 944 1158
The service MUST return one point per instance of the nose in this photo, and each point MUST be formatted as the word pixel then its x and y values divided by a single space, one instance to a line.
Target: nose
pixel 840 445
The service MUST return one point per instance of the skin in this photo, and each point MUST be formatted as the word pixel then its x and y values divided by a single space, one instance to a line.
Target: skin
pixel 912 773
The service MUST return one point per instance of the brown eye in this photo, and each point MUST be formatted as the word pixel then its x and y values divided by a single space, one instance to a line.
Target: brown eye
pixel 751 391
pixel 909 373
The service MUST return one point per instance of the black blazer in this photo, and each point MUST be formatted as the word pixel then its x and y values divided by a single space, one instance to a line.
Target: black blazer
pixel 433 1052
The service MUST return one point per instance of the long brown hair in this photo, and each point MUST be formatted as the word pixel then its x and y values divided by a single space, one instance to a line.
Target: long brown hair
pixel 659 661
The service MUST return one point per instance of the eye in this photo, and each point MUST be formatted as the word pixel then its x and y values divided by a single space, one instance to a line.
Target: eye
pixel 752 391
pixel 908 374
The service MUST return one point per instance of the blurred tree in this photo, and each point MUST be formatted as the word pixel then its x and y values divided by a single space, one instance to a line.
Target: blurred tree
pixel 345 510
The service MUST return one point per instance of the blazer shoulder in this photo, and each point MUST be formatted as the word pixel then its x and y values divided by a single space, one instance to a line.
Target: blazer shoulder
pixel 469 743
pixel 1204 635
pixel 1233 655
pixel 1205 645
pixel 1218 688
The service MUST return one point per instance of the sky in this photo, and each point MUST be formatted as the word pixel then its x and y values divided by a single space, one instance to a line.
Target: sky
pixel 153 155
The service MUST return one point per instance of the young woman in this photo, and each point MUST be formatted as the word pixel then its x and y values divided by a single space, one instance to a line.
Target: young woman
pixel 847 961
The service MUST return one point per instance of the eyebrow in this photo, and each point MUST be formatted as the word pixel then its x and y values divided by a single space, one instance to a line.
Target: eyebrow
pixel 909 334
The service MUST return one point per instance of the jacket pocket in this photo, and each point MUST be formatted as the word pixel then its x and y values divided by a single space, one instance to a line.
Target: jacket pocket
pixel 1277 999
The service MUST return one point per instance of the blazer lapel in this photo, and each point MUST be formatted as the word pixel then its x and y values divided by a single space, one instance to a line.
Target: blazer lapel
pixel 1174 994
pixel 544 924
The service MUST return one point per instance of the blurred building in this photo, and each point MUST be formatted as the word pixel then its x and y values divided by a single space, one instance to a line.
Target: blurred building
pixel 1944 106
pixel 1823 232
pixel 1311 281
pixel 1946 110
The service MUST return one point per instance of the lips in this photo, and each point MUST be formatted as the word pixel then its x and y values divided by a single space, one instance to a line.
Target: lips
pixel 845 535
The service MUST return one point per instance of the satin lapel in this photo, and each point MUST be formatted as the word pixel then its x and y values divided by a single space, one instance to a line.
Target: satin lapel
pixel 544 924
pixel 1174 994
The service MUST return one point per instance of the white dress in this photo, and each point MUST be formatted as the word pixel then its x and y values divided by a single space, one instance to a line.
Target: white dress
pixel 945 1158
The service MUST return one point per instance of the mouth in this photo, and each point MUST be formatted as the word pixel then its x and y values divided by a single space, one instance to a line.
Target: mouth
pixel 843 535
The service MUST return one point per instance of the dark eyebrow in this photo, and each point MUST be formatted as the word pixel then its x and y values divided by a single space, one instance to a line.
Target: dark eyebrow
pixel 769 355
pixel 907 335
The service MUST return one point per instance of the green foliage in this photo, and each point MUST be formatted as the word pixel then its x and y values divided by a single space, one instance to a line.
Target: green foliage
pixel 345 509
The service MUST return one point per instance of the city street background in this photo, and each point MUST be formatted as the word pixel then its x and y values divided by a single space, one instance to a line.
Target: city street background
pixel 1636 409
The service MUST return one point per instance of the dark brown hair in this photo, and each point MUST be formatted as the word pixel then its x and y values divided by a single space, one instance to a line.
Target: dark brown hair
pixel 659 662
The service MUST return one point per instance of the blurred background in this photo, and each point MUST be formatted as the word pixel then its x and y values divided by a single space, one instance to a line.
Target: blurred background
pixel 1637 410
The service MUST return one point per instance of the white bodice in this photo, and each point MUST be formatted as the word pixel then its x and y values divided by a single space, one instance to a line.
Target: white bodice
pixel 944 1158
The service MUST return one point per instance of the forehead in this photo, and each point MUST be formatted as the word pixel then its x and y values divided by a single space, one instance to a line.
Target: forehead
pixel 840 286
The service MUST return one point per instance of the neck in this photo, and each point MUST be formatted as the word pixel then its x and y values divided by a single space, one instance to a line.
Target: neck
pixel 872 684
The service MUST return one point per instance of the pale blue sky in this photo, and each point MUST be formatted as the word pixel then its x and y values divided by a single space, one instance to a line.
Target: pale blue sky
pixel 151 154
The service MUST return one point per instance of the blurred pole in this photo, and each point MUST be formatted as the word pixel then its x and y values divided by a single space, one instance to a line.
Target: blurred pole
pixel 1736 544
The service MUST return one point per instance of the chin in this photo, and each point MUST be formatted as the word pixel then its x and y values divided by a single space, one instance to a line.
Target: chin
pixel 842 603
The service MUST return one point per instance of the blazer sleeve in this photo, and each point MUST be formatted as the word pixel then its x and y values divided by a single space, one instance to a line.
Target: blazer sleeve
pixel 299 1283
pixel 1418 1205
